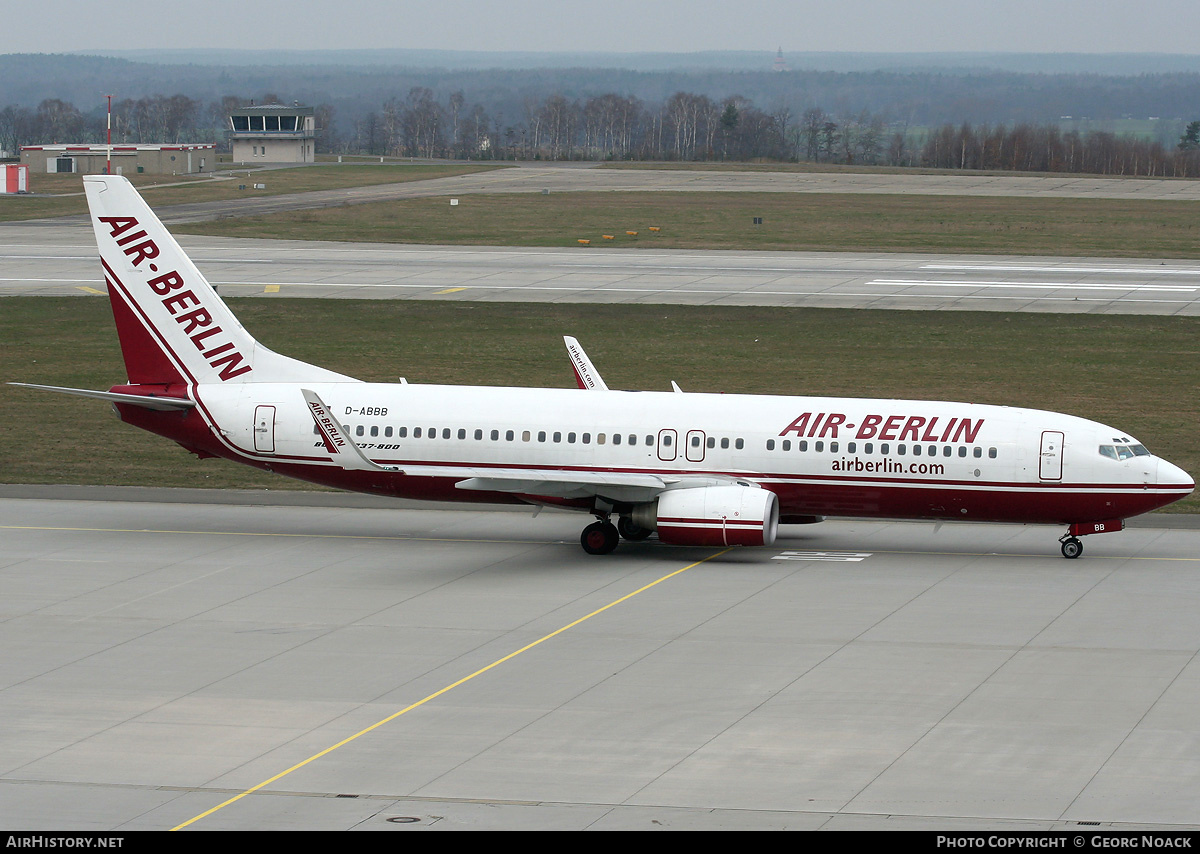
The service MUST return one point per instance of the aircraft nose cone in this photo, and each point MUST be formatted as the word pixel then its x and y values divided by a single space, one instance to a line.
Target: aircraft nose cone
pixel 1170 474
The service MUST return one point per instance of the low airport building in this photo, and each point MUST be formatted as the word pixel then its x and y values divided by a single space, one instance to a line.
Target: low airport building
pixel 126 159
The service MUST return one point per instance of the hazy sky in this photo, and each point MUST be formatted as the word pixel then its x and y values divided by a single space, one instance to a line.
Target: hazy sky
pixel 1044 26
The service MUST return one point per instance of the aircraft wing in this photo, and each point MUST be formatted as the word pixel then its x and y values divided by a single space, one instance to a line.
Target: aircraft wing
pixel 160 404
pixel 617 486
pixel 614 486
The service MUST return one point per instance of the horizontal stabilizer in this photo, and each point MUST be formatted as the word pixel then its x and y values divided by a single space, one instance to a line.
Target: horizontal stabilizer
pixel 159 404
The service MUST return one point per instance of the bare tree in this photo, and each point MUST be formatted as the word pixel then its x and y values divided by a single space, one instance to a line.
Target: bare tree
pixel 422 123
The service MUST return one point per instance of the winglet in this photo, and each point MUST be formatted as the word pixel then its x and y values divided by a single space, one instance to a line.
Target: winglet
pixel 586 374
pixel 341 447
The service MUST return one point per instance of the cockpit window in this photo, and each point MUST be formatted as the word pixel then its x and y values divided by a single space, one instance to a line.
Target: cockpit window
pixel 1123 452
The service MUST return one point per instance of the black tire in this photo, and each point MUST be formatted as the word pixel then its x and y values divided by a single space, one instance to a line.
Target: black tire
pixel 599 538
pixel 1072 548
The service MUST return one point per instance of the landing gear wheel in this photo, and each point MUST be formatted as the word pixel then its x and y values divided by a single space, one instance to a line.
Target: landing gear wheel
pixel 630 531
pixel 599 538
pixel 1072 548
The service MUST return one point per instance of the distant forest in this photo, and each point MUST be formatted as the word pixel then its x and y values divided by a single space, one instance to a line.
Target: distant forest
pixel 946 118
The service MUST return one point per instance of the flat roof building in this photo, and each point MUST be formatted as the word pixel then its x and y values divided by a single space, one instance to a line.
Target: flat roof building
pixel 273 133
pixel 126 159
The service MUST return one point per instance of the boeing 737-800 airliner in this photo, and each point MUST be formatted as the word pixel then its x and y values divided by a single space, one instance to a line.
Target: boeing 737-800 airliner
pixel 697 469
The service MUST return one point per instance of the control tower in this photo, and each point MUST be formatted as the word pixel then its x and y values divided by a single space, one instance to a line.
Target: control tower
pixel 273 133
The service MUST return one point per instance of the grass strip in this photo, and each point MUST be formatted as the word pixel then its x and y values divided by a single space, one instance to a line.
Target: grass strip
pixel 790 221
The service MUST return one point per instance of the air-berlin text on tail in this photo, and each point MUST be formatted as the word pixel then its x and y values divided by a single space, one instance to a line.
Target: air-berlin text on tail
pixel 197 321
pixel 885 428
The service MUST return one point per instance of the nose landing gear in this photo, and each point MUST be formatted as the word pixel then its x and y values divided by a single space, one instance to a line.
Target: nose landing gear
pixel 1073 548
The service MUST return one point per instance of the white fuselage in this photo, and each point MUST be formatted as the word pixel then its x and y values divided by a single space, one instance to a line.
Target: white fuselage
pixel 841 456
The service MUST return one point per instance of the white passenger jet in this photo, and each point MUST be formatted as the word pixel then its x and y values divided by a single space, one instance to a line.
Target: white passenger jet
pixel 697 469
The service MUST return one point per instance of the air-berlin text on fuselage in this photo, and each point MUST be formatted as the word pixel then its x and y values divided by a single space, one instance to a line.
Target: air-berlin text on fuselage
pixel 885 428
pixel 196 320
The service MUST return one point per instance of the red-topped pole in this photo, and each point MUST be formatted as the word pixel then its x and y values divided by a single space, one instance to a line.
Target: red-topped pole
pixel 108 164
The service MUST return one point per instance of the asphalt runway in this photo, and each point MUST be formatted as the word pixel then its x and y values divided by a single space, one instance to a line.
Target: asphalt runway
pixel 334 665
pixel 61 259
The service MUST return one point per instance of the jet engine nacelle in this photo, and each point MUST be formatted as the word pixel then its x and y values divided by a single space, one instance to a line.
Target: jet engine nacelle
pixel 712 516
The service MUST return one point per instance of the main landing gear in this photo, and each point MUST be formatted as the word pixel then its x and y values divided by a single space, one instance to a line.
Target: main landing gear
pixel 602 536
pixel 599 538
